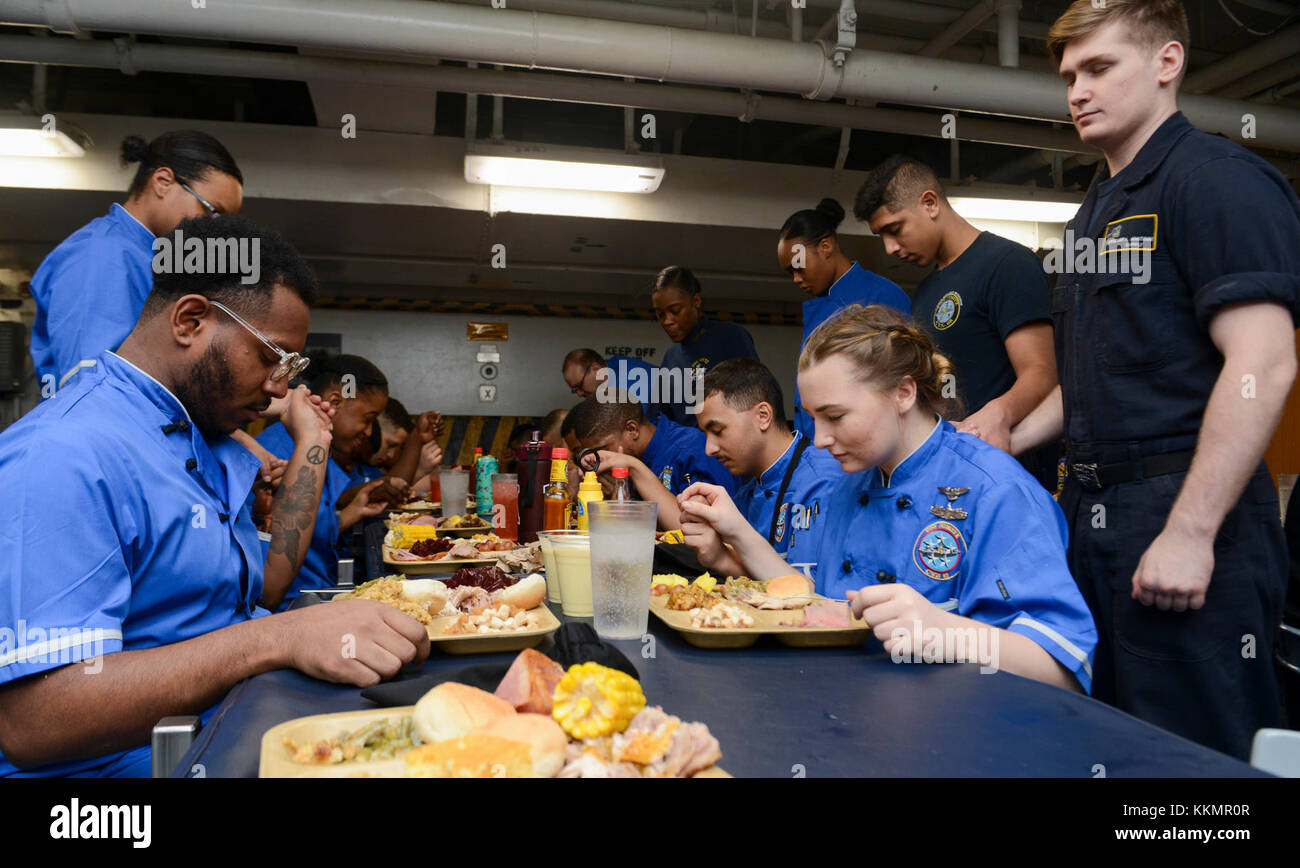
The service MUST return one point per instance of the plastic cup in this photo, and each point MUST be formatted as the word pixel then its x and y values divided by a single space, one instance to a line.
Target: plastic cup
pixel 545 537
pixel 622 564
pixel 454 485
pixel 505 505
pixel 572 554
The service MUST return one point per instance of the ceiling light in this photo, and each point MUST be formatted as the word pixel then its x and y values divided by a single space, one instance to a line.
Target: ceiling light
pixel 1025 210
pixel 561 168
pixel 30 136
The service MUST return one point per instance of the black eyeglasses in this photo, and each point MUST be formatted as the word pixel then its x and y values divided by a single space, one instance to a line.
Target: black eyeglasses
pixel 212 209
pixel 291 364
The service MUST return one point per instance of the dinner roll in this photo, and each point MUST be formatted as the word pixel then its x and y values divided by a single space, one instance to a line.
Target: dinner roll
pixel 792 585
pixel 452 710
pixel 527 593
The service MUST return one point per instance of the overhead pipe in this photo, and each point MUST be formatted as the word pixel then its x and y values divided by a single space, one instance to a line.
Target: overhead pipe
pixel 638 13
pixel 539 40
pixel 953 33
pixel 1261 81
pixel 523 85
pixel 1269 50
pixel 1009 33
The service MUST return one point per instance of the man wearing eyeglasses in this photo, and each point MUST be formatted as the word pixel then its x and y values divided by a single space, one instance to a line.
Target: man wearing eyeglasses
pixel 133 571
pixel 585 370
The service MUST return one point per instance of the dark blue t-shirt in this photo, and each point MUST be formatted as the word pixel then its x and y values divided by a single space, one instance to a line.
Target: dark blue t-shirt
pixel 968 309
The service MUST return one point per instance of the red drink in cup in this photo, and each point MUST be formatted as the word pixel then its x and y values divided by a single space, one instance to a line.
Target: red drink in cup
pixel 505 505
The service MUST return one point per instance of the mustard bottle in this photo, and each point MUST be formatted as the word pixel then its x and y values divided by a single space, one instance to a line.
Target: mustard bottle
pixel 588 491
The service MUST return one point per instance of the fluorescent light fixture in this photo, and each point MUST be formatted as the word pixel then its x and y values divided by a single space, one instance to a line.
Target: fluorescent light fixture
pixel 561 168
pixel 29 136
pixel 1024 210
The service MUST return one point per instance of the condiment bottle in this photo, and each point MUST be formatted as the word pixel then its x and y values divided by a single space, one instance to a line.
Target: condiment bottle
pixel 588 492
pixel 534 471
pixel 622 488
pixel 486 466
pixel 473 471
pixel 556 493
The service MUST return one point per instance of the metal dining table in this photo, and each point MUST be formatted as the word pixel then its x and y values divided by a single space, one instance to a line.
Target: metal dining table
pixel 801 712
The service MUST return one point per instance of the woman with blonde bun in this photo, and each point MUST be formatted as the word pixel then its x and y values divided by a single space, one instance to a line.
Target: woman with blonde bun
pixel 943 544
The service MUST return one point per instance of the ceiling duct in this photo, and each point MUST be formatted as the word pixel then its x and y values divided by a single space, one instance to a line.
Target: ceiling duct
pixel 414 29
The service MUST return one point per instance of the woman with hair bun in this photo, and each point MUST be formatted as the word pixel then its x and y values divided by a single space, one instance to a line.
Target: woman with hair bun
pixel 91 288
pixel 934 536
pixel 809 251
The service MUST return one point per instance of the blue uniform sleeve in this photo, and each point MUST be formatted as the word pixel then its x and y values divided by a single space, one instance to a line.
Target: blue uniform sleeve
pixel 892 294
pixel 67 579
pixel 1018 578
pixel 1253 255
pixel 92 302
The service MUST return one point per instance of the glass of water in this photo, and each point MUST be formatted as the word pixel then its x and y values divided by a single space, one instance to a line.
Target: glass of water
pixel 622 562
pixel 455 490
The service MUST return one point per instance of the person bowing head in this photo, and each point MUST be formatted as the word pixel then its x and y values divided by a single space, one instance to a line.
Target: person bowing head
pixel 942 543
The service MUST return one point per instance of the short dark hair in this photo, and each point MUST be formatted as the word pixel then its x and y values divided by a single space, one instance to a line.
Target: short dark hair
pixel 397 416
pixel 280 265
pixel 566 427
pixel 190 155
pixel 743 384
pixel 549 420
pixel 595 418
pixel 583 357
pixel 520 433
pixel 895 184
pixel 327 371
pixel 814 224
pixel 677 277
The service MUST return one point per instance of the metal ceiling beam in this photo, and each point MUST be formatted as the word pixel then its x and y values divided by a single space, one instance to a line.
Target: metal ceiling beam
pixel 953 33
pixel 524 85
pixel 409 28
pixel 1269 50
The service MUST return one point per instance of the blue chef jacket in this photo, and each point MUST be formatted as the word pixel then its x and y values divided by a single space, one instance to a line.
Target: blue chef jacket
pixel 320 569
pixel 89 293
pixel 675 454
pixel 123 529
pixel 801 510
pixel 855 286
pixel 1003 564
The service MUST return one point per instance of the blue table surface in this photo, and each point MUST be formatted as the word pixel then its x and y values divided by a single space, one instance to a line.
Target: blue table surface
pixel 781 711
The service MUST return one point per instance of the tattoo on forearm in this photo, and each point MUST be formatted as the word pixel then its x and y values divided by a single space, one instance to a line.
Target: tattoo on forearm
pixel 294 512
pixel 316 455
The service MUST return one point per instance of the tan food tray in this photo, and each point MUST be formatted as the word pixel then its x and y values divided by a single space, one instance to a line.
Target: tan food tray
pixel 426 568
pixel 277 761
pixel 490 643
pixel 767 622
pixel 421 509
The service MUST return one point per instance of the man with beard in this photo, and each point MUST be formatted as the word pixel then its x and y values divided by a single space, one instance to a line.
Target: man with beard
pixel 133 569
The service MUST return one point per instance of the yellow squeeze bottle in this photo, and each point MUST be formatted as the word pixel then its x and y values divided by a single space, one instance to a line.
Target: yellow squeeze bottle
pixel 588 491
